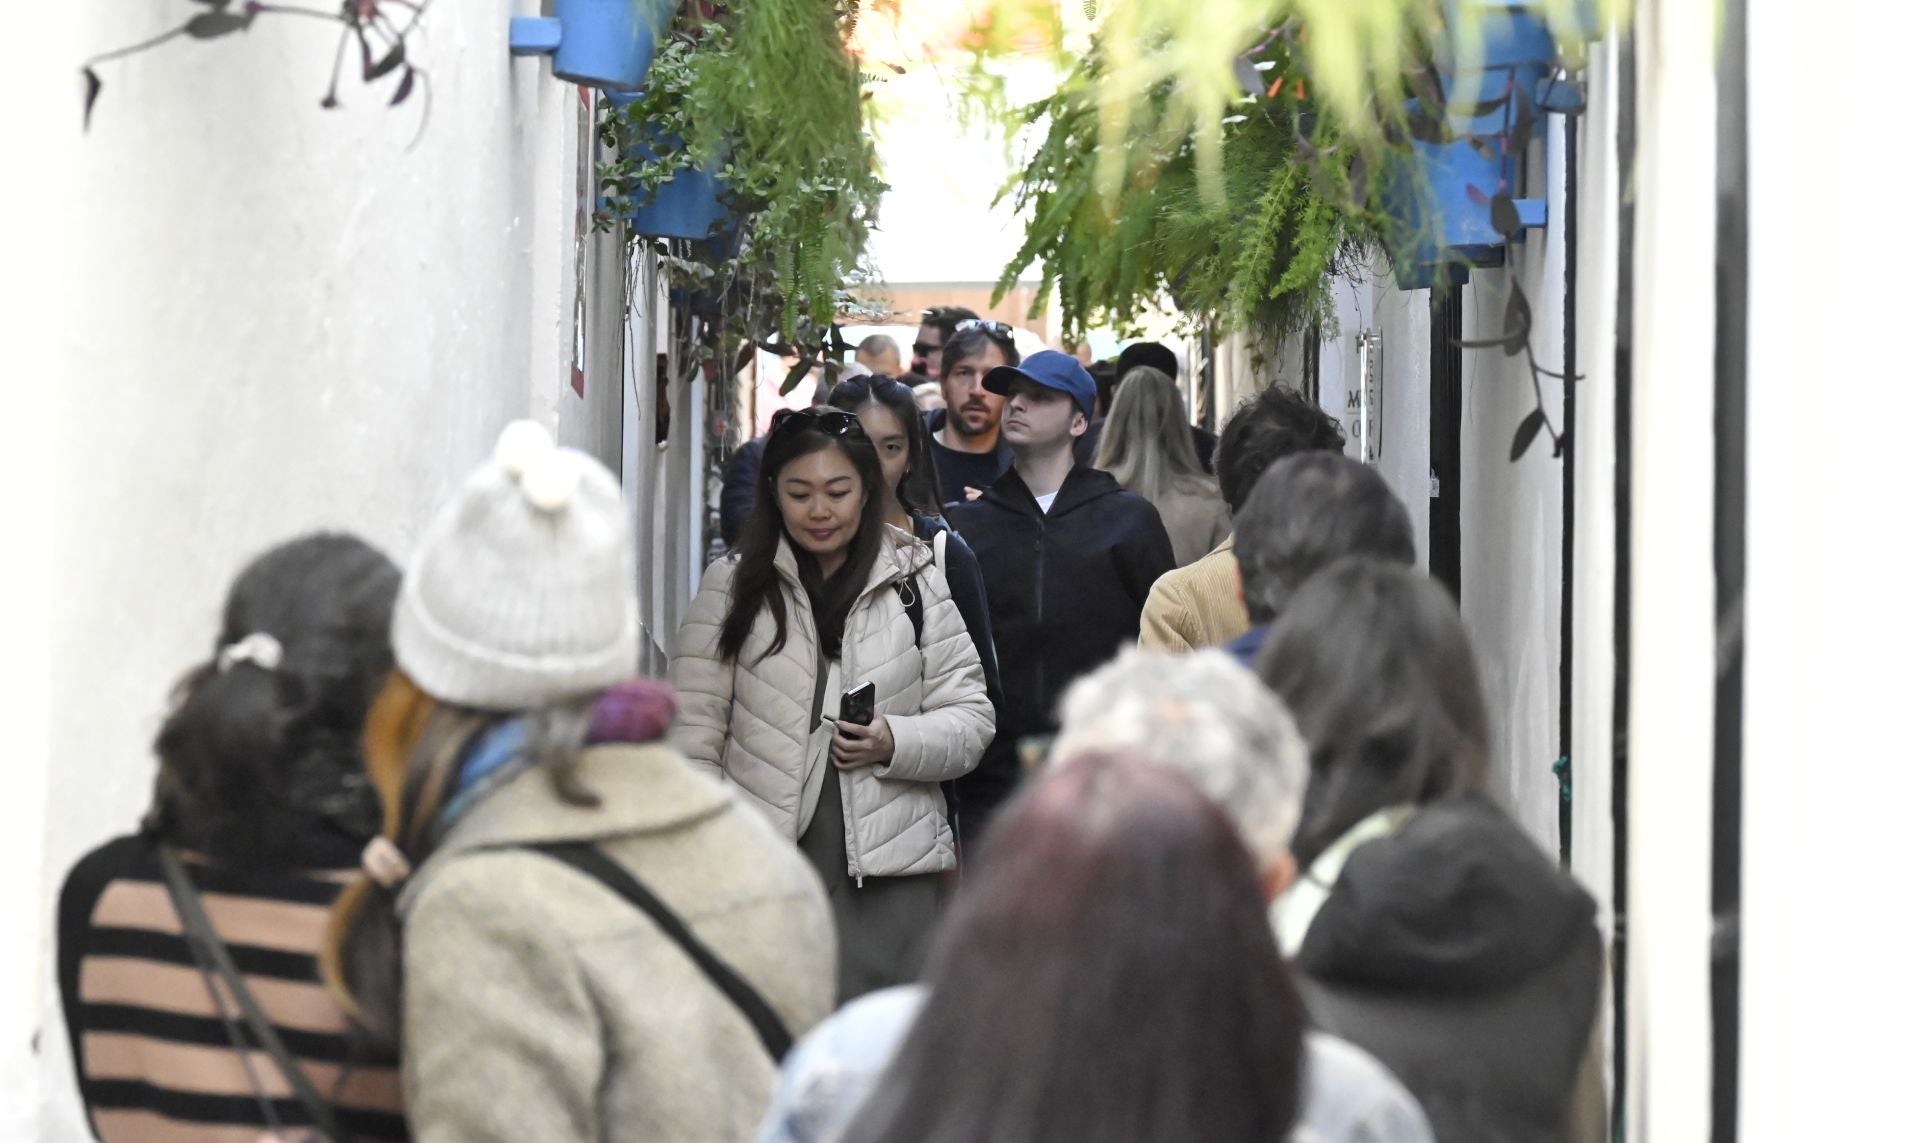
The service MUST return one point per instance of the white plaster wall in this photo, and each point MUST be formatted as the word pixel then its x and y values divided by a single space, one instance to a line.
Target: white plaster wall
pixel 1829 996
pixel 30 256
pixel 263 318
pixel 1671 688
pixel 1595 464
pixel 1404 321
pixel 1510 517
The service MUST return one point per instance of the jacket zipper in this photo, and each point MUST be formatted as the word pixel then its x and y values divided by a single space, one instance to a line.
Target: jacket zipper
pixel 1040 597
pixel 852 832
pixel 846 791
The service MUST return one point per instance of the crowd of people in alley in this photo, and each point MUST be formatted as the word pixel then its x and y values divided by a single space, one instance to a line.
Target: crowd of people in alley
pixel 1034 767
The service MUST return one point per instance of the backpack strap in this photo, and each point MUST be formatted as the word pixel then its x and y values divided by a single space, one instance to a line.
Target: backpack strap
pixel 592 861
pixel 940 550
pixel 909 592
pixel 210 953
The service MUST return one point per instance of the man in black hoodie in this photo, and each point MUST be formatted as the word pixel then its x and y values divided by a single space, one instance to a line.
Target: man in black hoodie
pixel 1068 557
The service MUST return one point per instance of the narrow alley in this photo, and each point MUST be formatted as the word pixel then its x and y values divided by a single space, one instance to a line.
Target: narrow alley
pixel 911 496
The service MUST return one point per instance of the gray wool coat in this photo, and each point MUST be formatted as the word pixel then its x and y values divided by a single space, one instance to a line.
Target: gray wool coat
pixel 539 1005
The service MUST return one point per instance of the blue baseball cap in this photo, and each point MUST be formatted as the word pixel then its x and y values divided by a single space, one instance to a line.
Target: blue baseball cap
pixel 1050 369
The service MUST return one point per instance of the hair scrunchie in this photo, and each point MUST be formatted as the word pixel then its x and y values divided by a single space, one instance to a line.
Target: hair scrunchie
pixel 383 861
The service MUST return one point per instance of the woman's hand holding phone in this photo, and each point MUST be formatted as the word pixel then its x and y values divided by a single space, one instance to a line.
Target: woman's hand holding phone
pixel 855 745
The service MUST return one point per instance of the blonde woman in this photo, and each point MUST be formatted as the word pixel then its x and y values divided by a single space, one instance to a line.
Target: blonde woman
pixel 1148 447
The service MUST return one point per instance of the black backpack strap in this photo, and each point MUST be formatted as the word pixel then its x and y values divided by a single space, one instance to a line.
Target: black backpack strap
pixel 590 860
pixel 909 592
pixel 210 953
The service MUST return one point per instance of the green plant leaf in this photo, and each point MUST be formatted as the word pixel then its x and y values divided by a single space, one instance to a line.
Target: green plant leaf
pixel 1504 215
pixel 212 25
pixel 93 93
pixel 1530 426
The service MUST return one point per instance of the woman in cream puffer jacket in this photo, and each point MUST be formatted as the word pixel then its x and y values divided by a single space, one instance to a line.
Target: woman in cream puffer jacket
pixel 764 721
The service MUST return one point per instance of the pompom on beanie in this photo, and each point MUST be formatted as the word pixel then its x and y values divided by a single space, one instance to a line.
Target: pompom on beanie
pixel 523 590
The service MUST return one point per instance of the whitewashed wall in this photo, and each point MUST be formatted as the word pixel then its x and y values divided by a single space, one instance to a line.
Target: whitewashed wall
pixel 1400 419
pixel 1510 514
pixel 1829 996
pixel 1595 464
pixel 258 318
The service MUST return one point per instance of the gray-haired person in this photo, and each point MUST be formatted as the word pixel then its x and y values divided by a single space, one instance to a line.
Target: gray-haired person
pixel 1202 715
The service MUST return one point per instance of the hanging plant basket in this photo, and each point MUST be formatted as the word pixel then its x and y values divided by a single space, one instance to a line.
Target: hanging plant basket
pixel 692 204
pixel 595 43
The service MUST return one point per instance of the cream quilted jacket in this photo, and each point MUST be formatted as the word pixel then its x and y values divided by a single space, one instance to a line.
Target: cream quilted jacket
pixel 747 721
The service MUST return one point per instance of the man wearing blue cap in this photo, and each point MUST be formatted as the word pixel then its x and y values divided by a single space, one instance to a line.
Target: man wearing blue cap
pixel 1068 557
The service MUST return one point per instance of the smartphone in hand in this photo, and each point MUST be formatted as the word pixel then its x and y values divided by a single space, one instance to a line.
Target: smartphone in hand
pixel 856 705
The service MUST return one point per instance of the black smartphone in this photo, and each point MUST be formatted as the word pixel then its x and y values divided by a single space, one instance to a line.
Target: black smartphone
pixel 857 705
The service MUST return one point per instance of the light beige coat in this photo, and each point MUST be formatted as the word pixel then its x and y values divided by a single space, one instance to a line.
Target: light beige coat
pixel 540 1005
pixel 749 720
pixel 1196 519
pixel 1196 606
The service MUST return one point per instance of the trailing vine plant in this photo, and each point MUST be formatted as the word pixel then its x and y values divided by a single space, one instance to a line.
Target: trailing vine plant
pixel 1254 246
pixel 1240 202
pixel 380 29
pixel 765 94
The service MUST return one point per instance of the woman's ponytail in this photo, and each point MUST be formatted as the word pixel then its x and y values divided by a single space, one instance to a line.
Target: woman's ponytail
pixel 219 749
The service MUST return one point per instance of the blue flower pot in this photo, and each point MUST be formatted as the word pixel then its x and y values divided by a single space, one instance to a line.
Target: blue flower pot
pixel 689 205
pixel 1441 197
pixel 595 43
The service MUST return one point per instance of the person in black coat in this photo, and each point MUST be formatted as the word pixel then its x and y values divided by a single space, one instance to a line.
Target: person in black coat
pixel 1428 927
pixel 736 489
pixel 1068 555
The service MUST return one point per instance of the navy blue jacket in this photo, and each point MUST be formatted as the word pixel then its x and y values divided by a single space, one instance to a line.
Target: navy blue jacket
pixel 961 470
pixel 737 488
pixel 1064 588
pixel 999 767
pixel 1245 648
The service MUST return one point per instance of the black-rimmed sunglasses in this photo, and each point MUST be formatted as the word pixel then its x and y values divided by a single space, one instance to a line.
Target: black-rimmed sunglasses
pixel 832 422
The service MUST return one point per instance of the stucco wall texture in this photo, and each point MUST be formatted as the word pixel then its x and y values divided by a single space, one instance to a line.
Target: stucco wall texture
pixel 270 318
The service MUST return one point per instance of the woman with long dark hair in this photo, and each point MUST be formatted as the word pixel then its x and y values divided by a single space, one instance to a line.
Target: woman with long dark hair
pixel 564 930
pixel 910 501
pixel 1428 927
pixel 259 811
pixel 1148 447
pixel 1107 975
pixel 824 669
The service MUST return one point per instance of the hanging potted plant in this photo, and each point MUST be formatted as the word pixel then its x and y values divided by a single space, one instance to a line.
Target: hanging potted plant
pixel 1252 246
pixel 595 43
pixel 746 161
pixel 662 199
pixel 1474 109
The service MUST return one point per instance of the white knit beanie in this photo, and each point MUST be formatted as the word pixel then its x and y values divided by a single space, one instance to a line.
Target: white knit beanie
pixel 522 592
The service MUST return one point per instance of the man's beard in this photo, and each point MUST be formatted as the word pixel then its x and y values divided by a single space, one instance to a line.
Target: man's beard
pixel 958 422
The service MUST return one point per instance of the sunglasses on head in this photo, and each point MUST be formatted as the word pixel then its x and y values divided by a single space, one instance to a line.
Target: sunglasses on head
pixel 999 327
pixel 832 422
